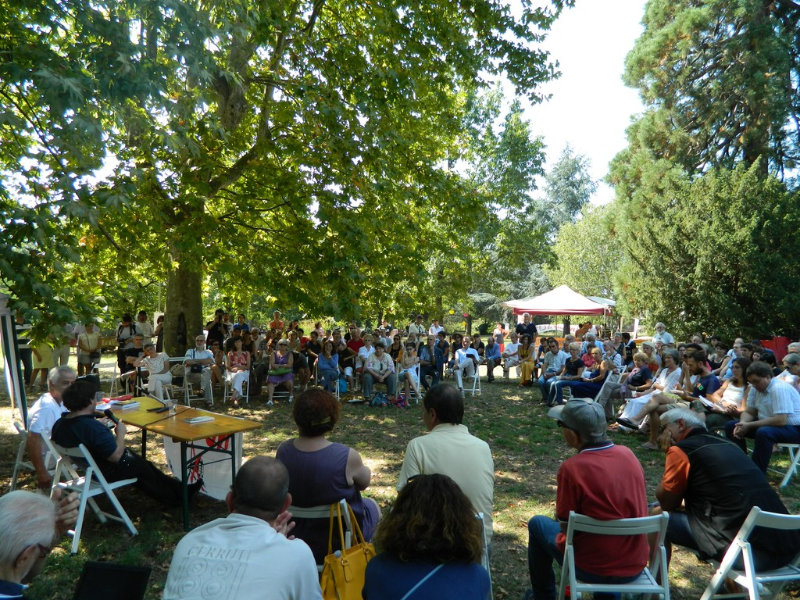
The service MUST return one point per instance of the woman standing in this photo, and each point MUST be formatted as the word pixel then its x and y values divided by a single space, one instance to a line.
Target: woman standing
pixel 88 349
pixel 237 369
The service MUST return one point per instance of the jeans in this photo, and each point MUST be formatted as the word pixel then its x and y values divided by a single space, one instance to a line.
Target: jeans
pixel 329 379
pixel 369 381
pixel 545 383
pixel 542 551
pixel 766 437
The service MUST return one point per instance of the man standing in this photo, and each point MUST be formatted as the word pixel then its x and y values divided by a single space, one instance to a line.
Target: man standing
pixel 435 328
pixel 41 418
pixel 602 481
pixel 249 545
pixel 450 450
pixel 467 360
pixel 702 471
pixel 662 336
pixel 526 328
pixel 144 326
pixel 772 415
pixel 417 328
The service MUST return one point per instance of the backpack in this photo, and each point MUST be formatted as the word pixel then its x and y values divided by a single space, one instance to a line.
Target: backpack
pixel 379 399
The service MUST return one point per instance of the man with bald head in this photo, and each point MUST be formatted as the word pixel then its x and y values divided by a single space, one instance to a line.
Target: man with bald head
pixel 247 553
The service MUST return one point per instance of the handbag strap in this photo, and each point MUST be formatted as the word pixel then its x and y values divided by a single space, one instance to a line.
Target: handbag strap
pixel 358 537
pixel 421 581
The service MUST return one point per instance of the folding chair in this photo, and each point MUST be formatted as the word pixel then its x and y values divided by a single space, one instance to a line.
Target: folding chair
pixel 794 459
pixel 318 383
pixel 767 584
pixel 323 511
pixel 401 383
pixel 485 552
pixel 20 462
pixel 476 381
pixel 645 583
pixel 91 484
pixel 227 387
pixel 112 381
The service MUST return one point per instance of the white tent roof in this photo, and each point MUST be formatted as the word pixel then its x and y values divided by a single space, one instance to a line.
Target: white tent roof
pixel 563 300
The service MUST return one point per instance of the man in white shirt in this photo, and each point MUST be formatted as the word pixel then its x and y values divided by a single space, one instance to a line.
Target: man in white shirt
pixel 449 449
pixel 772 415
pixel 435 328
pixel 662 336
pixel 157 366
pixel 379 369
pixel 197 366
pixel 46 411
pixel 467 360
pixel 417 327
pixel 247 553
pixel 144 326
pixel 554 361
pixel 511 354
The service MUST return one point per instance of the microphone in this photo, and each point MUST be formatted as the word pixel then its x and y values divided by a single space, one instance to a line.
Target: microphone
pixel 111 416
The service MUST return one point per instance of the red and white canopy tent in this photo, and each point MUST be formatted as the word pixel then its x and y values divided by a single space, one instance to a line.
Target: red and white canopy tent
pixel 562 300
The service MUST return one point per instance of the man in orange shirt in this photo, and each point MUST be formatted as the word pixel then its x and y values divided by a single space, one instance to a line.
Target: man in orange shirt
pixel 703 471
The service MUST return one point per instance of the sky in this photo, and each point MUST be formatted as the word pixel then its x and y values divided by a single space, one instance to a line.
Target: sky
pixel 590 107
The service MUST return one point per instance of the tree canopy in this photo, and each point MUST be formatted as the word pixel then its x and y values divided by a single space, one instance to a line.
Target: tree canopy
pixel 300 148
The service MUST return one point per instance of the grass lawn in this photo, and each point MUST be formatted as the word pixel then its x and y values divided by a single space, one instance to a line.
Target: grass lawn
pixel 527 449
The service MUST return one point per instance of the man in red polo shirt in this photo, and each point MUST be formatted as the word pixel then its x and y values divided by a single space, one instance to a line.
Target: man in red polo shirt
pixel 602 481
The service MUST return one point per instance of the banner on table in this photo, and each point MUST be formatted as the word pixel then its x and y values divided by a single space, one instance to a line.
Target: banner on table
pixel 214 467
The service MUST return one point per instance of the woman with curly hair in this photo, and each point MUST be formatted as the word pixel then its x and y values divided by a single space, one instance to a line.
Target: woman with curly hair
pixel 324 472
pixel 430 539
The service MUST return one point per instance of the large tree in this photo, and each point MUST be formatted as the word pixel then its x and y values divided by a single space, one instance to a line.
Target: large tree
pixel 721 83
pixel 295 146
pixel 718 254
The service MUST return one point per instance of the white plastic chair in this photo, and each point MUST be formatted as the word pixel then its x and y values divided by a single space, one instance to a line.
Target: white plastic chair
pixel 413 392
pixel 91 484
pixel 766 584
pixel 645 583
pixel 318 383
pixel 227 388
pixel 476 381
pixel 20 463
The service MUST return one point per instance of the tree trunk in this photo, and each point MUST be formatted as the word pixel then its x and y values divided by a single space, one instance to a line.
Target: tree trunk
pixel 183 313
pixel 566 325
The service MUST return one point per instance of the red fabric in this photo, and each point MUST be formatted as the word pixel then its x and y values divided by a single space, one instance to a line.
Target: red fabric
pixel 604 483
pixel 779 346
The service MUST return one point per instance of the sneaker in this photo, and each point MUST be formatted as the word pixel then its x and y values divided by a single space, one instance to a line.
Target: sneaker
pixel 462 392
pixel 270 403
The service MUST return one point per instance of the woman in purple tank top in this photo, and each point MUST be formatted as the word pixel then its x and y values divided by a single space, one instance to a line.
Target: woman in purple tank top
pixel 323 472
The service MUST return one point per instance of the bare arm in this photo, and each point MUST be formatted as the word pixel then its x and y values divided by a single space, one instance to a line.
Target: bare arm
pixel 356 471
pixel 117 454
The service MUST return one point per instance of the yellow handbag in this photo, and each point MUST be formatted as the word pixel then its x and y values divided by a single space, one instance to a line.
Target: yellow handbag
pixel 343 571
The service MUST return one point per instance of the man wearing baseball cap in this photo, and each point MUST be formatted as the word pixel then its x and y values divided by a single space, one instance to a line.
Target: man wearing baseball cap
pixel 602 481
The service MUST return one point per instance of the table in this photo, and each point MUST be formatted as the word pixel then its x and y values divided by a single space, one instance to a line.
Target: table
pixel 175 426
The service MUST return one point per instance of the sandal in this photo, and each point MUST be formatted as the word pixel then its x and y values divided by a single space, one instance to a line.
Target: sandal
pixel 649 446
